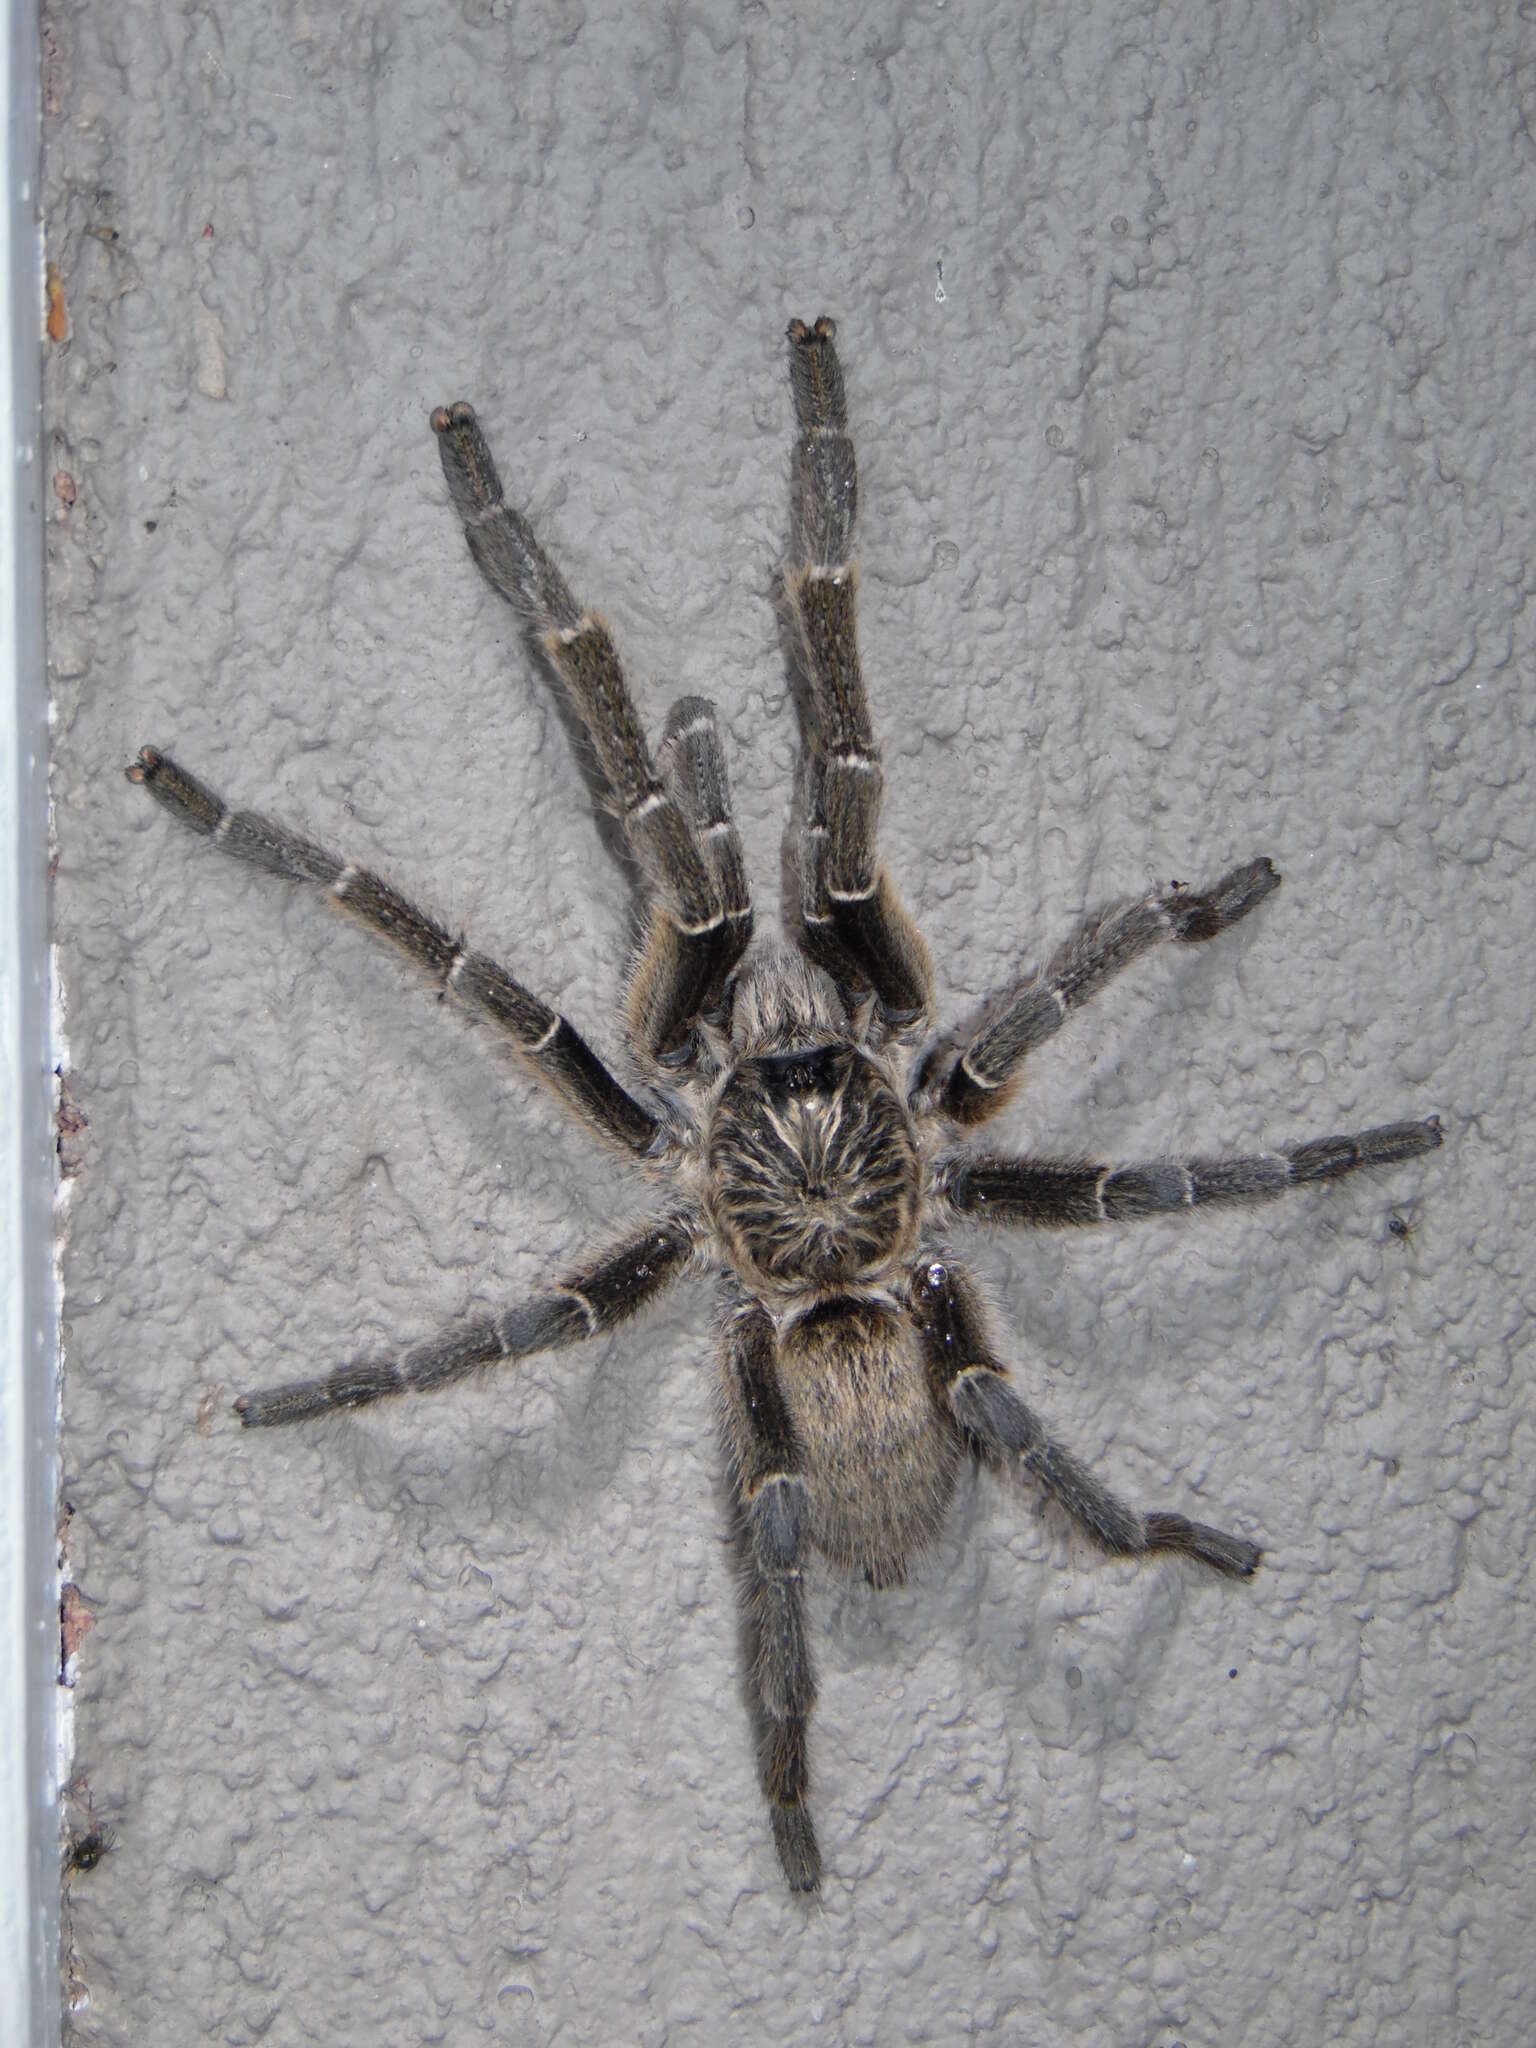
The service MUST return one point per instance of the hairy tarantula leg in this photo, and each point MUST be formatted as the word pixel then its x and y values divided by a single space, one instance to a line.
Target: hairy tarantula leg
pixel 850 911
pixel 693 764
pixel 695 939
pixel 971 1385
pixel 1046 1193
pixel 767 1469
pixel 593 1298
pixel 693 768
pixel 554 1050
pixel 979 1082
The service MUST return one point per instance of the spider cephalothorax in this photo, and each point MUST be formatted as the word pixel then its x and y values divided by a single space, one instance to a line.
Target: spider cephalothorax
pixel 814 1170
pixel 796 1107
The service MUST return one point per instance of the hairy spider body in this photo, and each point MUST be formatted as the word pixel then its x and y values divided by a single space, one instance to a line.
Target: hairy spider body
pixel 884 1465
pixel 814 1178
pixel 802 1119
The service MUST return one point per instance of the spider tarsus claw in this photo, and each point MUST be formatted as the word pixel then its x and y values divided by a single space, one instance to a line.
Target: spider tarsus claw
pixel 446 417
pixel 144 767
pixel 1196 918
pixel 1239 1559
pixel 1247 885
pixel 1234 1555
pixel 824 328
pixel 799 1856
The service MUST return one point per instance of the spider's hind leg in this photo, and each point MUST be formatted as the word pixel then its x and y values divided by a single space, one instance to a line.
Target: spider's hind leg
pixel 767 1469
pixel 971 1385
pixel 853 923
pixel 695 937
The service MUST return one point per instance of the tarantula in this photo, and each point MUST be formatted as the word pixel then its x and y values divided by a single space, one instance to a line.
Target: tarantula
pixel 797 1110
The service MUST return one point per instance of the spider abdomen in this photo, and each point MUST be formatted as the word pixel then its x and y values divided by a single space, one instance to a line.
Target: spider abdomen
pixel 880 1464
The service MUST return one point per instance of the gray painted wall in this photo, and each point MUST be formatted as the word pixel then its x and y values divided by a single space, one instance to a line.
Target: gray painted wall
pixel 1189 353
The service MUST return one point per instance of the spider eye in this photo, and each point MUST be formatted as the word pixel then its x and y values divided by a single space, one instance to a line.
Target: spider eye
pixel 816 1072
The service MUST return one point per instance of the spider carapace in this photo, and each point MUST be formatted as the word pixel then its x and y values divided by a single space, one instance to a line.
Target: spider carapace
pixel 803 1119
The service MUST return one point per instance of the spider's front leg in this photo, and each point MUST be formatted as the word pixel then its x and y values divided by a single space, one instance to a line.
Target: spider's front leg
pixel 976 1083
pixel 594 1298
pixel 853 922
pixel 767 1470
pixel 677 822
pixel 553 1048
pixel 972 1386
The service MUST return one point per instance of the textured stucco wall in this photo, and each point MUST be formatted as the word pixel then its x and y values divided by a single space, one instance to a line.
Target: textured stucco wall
pixel 1194 407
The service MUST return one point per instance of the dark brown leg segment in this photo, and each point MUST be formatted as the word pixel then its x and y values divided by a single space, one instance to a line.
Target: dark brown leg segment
pixel 979 1083
pixel 594 1298
pixel 851 915
pixel 554 1050
pixel 695 938
pixel 1049 1193
pixel 770 1486
pixel 970 1384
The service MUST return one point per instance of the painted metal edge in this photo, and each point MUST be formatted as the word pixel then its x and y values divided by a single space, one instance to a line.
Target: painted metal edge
pixel 29 1614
